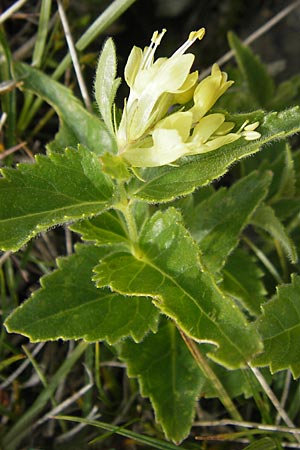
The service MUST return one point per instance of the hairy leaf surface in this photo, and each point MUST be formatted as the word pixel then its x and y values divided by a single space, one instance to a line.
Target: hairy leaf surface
pixel 79 126
pixel 106 83
pixel 69 306
pixel 166 267
pixel 265 218
pixel 166 183
pixel 242 280
pixel 168 375
pixel 55 190
pixel 260 84
pixel 279 326
pixel 217 222
pixel 105 229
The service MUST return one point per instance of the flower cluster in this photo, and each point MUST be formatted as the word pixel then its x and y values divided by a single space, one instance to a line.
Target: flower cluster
pixel 154 133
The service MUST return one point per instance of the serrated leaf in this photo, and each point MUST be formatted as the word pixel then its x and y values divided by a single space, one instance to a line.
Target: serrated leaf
pixel 287 93
pixel 105 229
pixel 69 306
pixel 106 84
pixel 166 183
pixel 78 124
pixel 279 326
pixel 166 267
pixel 265 218
pixel 55 190
pixel 260 84
pixel 242 280
pixel 217 222
pixel 168 375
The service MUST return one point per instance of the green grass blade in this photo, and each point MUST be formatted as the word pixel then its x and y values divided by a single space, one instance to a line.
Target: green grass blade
pixel 11 440
pixel 39 48
pixel 7 99
pixel 152 442
pixel 112 13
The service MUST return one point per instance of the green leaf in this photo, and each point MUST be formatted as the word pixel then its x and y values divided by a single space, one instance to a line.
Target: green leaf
pixel 260 84
pixel 166 183
pixel 242 281
pixel 8 103
pixel 108 229
pixel 54 190
pixel 296 160
pixel 287 93
pixel 287 180
pixel 77 123
pixel 279 326
pixel 69 306
pixel 105 229
pixel 285 200
pixel 106 84
pixel 286 207
pixel 235 382
pixel 265 443
pixel 279 160
pixel 217 222
pixel 265 218
pixel 115 167
pixel 168 375
pixel 166 267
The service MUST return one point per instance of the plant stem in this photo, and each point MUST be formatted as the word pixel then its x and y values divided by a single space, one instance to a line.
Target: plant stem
pixel 210 374
pixel 125 207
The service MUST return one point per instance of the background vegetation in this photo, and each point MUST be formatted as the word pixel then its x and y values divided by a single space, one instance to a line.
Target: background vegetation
pixel 39 381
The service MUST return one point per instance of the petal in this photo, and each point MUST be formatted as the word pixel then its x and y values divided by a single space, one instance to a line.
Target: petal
pixel 251 135
pixel 185 93
pixel 206 127
pixel 220 141
pixel 225 128
pixel 167 148
pixel 165 75
pixel 169 78
pixel 179 121
pixel 208 91
pixel 133 65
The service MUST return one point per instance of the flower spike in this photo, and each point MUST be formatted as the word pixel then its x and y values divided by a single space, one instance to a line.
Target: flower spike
pixel 153 131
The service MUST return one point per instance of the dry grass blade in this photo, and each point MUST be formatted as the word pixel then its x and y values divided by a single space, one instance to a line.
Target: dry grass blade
pixel 256 34
pixel 73 54
pixel 10 11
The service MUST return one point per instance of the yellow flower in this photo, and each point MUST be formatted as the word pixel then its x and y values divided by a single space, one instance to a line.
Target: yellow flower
pixel 153 86
pixel 209 91
pixel 147 136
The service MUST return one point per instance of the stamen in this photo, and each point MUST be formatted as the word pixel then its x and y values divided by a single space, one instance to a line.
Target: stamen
pixel 252 126
pixel 247 131
pixel 242 127
pixel 193 36
pixel 155 41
